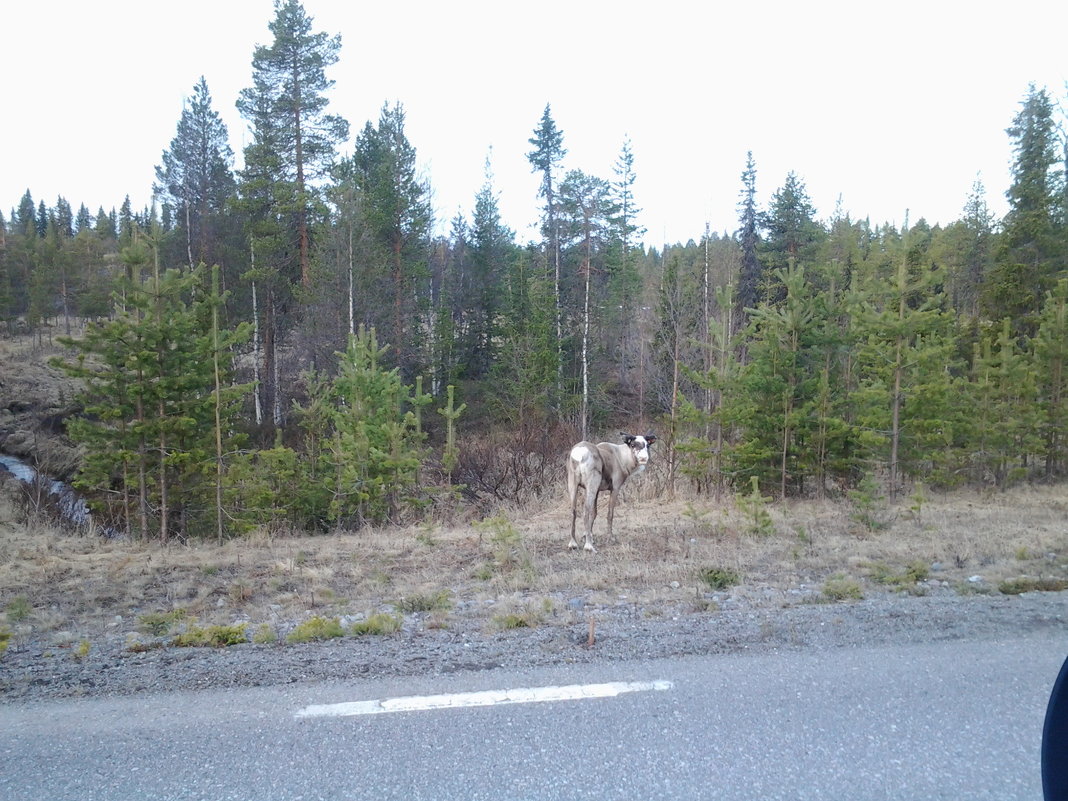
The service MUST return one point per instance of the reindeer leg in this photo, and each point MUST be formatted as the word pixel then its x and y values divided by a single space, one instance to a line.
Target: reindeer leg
pixel 574 513
pixel 591 515
pixel 611 514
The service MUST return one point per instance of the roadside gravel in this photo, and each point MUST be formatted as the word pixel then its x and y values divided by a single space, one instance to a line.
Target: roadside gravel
pixel 33 670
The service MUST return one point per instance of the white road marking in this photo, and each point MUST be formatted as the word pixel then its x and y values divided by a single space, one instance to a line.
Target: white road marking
pixel 518 695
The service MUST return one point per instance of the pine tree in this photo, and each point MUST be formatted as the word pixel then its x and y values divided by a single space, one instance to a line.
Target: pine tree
pixel 156 402
pixel 377 446
pixel 1003 414
pixel 287 107
pixel 586 210
pixel 904 404
pixel 778 385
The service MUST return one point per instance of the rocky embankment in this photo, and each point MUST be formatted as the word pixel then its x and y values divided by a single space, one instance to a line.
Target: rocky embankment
pixel 35 400
pixel 51 668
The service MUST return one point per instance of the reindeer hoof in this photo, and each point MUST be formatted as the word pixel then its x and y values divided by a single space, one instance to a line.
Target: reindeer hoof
pixel 588 547
pixel 572 545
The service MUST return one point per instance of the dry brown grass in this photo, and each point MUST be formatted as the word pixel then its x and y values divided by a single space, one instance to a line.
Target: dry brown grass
pixel 520 562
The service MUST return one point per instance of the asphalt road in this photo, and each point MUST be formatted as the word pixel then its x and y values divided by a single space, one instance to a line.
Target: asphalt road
pixel 949 720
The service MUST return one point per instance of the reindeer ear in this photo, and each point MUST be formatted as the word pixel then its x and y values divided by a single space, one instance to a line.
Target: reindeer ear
pixel 650 438
pixel 627 438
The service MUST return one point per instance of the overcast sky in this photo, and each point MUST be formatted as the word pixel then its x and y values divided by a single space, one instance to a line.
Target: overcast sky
pixel 889 106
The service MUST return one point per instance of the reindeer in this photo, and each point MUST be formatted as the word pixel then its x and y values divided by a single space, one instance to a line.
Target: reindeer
pixel 601 467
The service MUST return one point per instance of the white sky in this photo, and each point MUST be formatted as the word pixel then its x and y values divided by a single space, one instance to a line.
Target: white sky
pixel 890 106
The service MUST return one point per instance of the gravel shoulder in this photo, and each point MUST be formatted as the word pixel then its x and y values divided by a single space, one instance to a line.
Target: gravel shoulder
pixel 40 670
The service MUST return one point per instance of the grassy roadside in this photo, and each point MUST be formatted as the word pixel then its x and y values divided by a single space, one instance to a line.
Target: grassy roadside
pixel 79 588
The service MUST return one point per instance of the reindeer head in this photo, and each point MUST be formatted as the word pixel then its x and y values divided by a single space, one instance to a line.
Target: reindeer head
pixel 640 446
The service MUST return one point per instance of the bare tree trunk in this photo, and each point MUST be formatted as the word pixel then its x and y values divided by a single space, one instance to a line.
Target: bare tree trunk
pixel 142 457
pixel 161 406
pixel 218 402
pixel 586 344
pixel 895 418
pixel 276 385
pixel 352 287
pixel 256 387
pixel 706 290
pixel 188 236
pixel 559 303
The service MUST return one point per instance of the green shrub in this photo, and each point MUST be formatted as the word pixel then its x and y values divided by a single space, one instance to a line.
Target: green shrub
pixel 81 651
pixel 527 618
pixel 917 571
pixel 212 636
pixel 379 623
pixel 869 506
pixel 316 628
pixel 435 602
pixel 914 572
pixel 5 639
pixel 511 620
pixel 159 624
pixel 841 588
pixel 1015 586
pixel 754 507
pixel 264 635
pixel 718 578
pixel 18 609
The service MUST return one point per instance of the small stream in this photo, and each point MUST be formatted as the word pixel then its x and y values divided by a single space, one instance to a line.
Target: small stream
pixel 71 505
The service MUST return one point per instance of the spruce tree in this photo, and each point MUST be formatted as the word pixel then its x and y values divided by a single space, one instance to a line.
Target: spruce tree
pixel 492 246
pixel 622 261
pixel 523 377
pixel 545 158
pixel 1030 254
pixel 195 178
pixel 792 234
pixel 1051 370
pixel 7 311
pixel 750 277
pixel 397 213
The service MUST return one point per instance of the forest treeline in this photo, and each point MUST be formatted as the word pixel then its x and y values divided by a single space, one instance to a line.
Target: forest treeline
pixel 294 344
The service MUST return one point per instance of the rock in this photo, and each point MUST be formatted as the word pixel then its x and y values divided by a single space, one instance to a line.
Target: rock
pixel 975 579
pixel 20 443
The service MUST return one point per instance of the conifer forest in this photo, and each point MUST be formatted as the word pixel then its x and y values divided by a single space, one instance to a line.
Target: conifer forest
pixel 296 344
